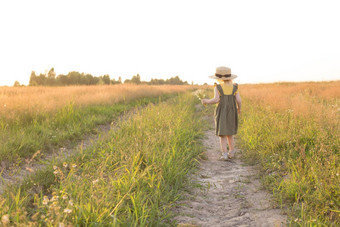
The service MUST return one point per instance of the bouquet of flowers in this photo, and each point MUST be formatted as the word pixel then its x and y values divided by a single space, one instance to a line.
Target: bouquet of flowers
pixel 199 94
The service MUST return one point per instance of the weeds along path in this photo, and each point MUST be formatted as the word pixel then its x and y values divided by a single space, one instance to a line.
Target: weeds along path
pixel 229 194
pixel 132 177
pixel 32 165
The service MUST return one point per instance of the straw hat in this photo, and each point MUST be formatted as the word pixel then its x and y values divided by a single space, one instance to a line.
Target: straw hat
pixel 223 73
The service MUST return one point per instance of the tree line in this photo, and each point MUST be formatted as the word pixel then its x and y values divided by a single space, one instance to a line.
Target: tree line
pixel 75 78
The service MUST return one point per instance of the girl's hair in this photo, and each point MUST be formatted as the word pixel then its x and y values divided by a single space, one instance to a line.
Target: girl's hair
pixel 227 81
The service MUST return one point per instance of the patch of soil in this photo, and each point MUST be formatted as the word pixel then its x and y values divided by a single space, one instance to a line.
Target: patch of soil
pixel 230 194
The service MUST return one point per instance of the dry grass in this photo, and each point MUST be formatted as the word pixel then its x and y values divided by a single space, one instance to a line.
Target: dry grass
pixel 299 97
pixel 36 100
pixel 320 100
pixel 292 130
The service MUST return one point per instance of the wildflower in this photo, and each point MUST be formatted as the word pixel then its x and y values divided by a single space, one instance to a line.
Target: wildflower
pixel 54 198
pixel 5 219
pixel 54 204
pixel 64 197
pixel 61 224
pixel 67 210
pixel 65 164
pixel 200 94
pixel 74 165
pixel 45 200
pixel 55 167
pixel 95 181
pixel 70 202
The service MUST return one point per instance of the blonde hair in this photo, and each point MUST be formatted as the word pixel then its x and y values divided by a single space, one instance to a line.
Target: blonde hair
pixel 225 81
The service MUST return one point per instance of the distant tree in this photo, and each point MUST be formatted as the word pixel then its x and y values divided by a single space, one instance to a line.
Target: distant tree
pixel 42 79
pixel 119 81
pixel 51 80
pixel 33 79
pixel 51 74
pixel 74 78
pixel 136 79
pixel 95 80
pixel 157 82
pixel 106 79
pixel 175 81
pixel 88 79
pixel 101 81
pixel 62 80
pixel 16 84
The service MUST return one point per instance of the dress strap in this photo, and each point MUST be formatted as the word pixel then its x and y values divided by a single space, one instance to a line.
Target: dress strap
pixel 235 86
pixel 220 90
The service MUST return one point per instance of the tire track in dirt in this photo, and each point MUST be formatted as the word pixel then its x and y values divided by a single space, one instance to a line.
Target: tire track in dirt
pixel 39 160
pixel 230 194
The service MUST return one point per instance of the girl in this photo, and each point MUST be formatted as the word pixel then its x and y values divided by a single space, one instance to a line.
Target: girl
pixel 226 112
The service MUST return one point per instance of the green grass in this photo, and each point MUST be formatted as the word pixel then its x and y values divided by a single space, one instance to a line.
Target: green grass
pixel 22 137
pixel 131 178
pixel 298 157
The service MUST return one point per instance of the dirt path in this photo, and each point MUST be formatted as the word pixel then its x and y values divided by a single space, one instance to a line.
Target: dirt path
pixel 230 196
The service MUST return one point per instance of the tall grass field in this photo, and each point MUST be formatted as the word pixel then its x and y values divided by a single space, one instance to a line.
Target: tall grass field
pixel 43 118
pixel 135 174
pixel 130 178
pixel 292 130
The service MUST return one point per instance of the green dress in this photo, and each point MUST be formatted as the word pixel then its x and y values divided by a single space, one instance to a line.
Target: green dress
pixel 226 116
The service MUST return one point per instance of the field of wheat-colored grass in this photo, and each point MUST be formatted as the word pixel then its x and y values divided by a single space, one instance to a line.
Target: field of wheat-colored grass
pixel 45 118
pixel 302 98
pixel 17 101
pixel 292 130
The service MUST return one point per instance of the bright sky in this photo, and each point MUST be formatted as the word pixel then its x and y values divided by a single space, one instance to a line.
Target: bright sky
pixel 261 41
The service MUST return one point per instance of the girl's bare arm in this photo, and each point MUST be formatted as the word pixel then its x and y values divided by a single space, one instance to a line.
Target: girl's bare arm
pixel 214 100
pixel 238 102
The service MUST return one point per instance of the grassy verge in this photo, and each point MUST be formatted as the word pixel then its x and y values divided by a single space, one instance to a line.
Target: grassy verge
pixel 131 178
pixel 22 137
pixel 298 155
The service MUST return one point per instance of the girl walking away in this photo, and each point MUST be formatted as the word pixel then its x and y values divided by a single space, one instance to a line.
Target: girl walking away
pixel 227 110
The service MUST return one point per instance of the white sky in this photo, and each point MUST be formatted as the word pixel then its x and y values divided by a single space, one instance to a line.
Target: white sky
pixel 261 41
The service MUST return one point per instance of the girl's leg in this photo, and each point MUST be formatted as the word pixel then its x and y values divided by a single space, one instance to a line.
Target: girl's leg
pixel 223 142
pixel 231 143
